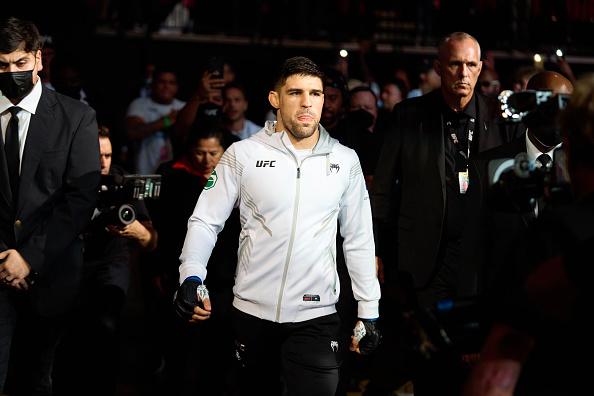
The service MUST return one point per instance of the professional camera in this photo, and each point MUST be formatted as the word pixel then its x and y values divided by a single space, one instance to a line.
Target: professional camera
pixel 117 194
pixel 516 184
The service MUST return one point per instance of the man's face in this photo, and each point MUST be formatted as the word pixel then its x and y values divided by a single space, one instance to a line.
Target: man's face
pixel 391 96
pixel 459 67
pixel 299 102
pixel 19 60
pixel 333 106
pixel 164 88
pixel 364 100
pixel 105 155
pixel 489 84
pixel 234 104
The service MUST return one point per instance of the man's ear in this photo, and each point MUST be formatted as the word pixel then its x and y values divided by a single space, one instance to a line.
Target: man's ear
pixel 273 99
pixel 38 59
pixel 437 67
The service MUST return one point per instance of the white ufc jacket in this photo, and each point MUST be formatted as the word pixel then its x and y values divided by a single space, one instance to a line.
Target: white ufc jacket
pixel 286 270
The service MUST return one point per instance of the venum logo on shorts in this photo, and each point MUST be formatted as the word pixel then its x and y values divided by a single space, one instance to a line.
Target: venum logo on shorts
pixel 334 346
pixel 265 163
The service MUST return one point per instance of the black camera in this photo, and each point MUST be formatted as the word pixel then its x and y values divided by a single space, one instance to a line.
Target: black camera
pixel 117 194
pixel 518 184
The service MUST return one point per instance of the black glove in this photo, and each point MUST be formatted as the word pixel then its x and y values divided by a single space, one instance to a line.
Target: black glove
pixel 186 298
pixel 372 337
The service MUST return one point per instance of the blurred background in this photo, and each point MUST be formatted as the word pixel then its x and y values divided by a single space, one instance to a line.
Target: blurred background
pixel 114 40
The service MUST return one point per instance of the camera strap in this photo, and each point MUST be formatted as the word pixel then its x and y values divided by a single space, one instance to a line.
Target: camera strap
pixel 463 177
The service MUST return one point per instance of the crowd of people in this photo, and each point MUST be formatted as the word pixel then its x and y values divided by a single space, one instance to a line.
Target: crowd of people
pixel 360 231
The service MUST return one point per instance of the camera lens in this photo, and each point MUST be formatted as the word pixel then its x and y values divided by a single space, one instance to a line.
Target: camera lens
pixel 126 214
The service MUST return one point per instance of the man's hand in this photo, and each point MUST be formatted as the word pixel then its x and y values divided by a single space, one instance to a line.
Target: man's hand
pixel 366 337
pixel 192 302
pixel 211 89
pixel 135 230
pixel 14 269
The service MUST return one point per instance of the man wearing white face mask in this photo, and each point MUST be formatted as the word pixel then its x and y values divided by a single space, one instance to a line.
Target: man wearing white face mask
pixel 49 173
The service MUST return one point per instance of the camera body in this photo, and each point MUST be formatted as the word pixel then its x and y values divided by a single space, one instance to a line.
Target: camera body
pixel 117 194
pixel 515 184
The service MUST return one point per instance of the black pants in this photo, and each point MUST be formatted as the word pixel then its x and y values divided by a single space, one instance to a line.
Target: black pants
pixel 28 343
pixel 302 357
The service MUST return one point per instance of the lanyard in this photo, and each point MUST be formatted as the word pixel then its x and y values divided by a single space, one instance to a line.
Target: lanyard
pixel 456 142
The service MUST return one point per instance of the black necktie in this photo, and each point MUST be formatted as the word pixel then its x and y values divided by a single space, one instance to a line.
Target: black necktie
pixel 544 160
pixel 11 148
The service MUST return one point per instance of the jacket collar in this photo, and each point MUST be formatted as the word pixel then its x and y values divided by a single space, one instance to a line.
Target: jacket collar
pixel 269 136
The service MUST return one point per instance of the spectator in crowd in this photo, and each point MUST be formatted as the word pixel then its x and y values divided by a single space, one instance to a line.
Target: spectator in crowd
pixel 235 106
pixel 521 77
pixel 336 96
pixel 429 80
pixel 150 122
pixel 207 99
pixel 393 92
pixel 489 82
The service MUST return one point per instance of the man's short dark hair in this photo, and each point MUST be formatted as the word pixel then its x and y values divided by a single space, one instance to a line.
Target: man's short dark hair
pixel 17 34
pixel 104 131
pixel 298 65
pixel 209 129
pixel 335 79
pixel 362 88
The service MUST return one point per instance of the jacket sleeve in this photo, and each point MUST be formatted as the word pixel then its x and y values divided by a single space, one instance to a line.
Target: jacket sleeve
pixel 357 230
pixel 214 206
pixel 73 203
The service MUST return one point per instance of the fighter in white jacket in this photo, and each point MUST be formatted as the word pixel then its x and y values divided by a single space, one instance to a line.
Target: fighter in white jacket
pixel 292 182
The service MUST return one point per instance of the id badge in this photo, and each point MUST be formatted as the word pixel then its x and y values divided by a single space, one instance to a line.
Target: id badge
pixel 463 181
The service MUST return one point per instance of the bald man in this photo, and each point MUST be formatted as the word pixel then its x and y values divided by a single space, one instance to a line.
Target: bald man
pixel 426 193
pixel 542 135
pixel 505 224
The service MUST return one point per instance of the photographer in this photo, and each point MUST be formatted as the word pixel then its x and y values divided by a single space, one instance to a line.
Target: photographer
pixel 541 331
pixel 109 249
pixel 508 218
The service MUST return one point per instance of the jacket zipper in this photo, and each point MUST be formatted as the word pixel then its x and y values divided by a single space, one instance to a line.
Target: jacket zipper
pixel 293 227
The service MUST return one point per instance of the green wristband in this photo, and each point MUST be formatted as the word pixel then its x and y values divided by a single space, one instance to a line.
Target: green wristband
pixel 166 121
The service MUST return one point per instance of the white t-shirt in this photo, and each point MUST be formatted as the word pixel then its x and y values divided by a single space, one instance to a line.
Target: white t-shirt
pixel 156 148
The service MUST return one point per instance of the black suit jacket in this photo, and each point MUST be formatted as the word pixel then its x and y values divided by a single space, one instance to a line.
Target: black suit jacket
pixel 504 224
pixel 410 188
pixel 58 190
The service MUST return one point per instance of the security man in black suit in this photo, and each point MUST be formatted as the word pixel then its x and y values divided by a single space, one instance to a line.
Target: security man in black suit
pixel 49 174
pixel 543 323
pixel 507 221
pixel 427 194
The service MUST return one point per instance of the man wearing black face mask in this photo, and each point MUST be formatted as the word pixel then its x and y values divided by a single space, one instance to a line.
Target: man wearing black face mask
pixel 49 173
